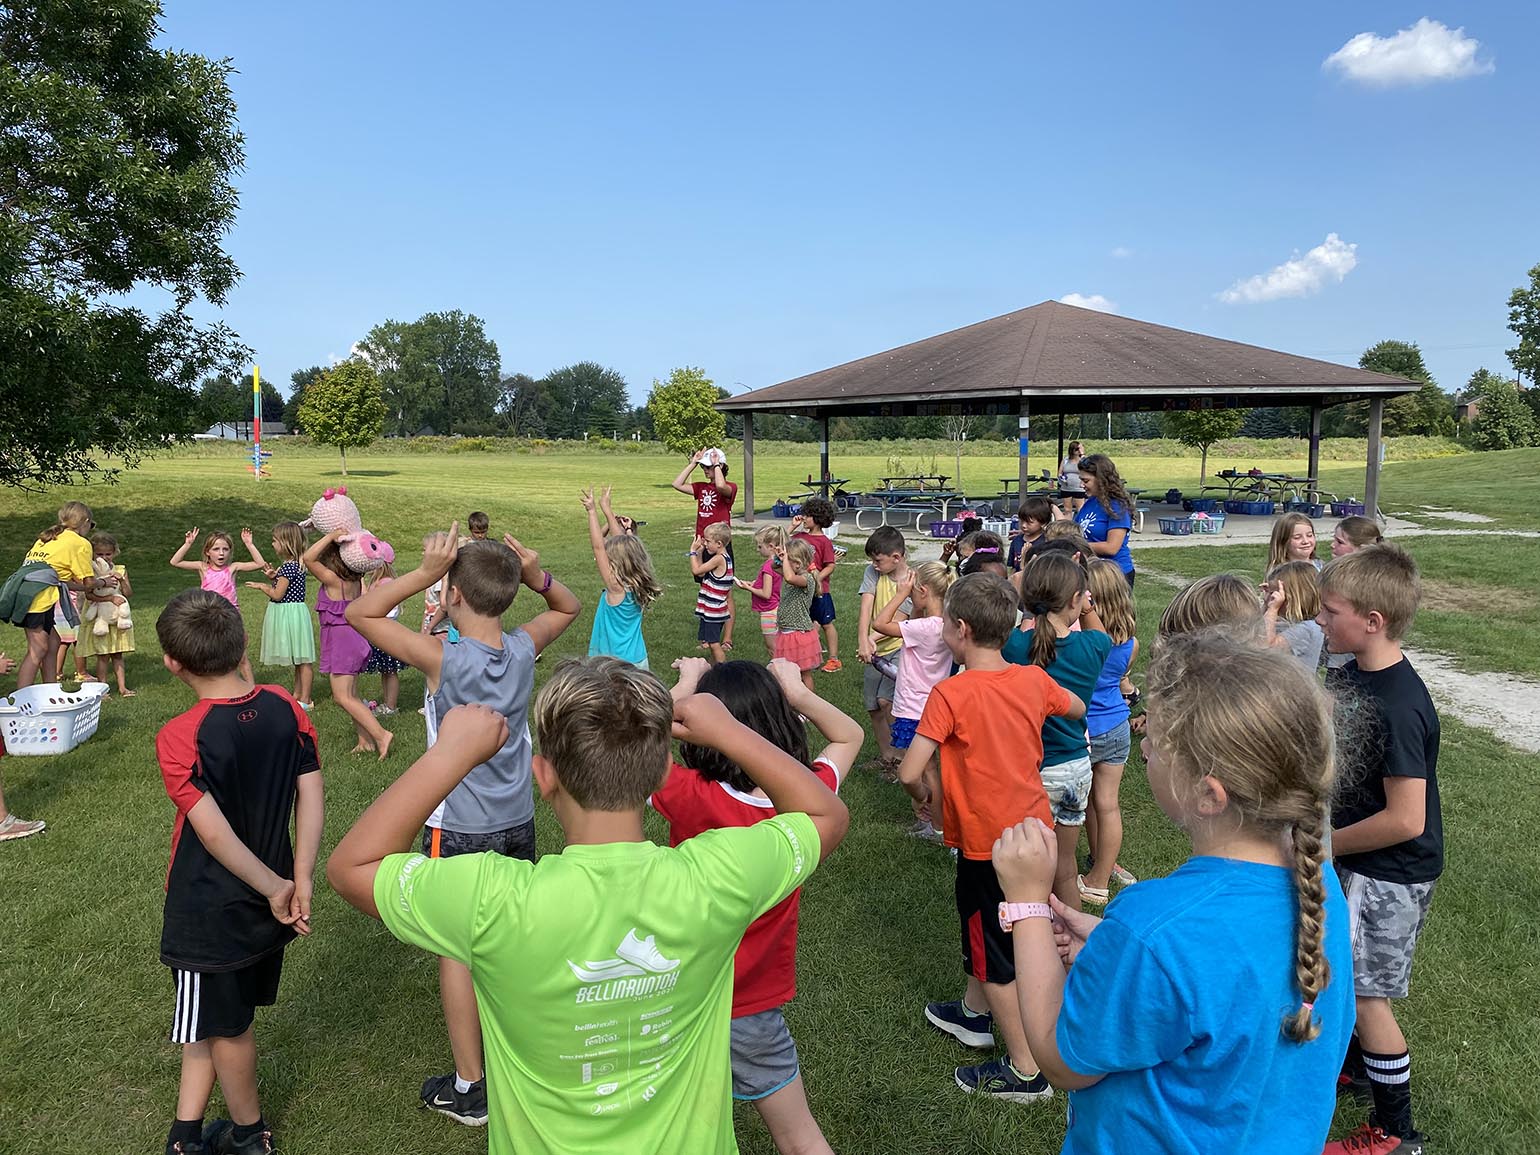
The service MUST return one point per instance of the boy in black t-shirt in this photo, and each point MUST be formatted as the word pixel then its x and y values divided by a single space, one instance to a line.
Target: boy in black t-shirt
pixel 236 765
pixel 1388 834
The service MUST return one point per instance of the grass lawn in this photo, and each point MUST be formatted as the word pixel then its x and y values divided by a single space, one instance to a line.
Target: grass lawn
pixel 83 1056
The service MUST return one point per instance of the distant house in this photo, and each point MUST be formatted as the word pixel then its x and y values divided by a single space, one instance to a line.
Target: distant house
pixel 1465 408
pixel 240 431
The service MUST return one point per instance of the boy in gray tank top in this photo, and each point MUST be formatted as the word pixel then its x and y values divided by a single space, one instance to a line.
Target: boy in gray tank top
pixel 493 808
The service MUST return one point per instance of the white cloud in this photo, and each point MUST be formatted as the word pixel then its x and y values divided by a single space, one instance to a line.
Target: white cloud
pixel 1426 51
pixel 1121 252
pixel 1089 301
pixel 1299 276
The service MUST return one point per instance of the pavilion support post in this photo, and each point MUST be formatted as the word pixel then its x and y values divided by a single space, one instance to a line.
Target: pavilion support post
pixel 1023 446
pixel 823 454
pixel 1061 442
pixel 748 467
pixel 1314 469
pixel 1372 473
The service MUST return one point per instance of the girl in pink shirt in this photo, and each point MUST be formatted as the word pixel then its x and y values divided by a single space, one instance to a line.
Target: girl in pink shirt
pixel 216 570
pixel 765 589
pixel 923 662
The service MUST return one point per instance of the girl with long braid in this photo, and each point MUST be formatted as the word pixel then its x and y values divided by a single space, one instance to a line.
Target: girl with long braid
pixel 1210 1009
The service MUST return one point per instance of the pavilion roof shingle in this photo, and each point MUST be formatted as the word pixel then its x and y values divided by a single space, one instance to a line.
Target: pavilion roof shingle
pixel 1069 355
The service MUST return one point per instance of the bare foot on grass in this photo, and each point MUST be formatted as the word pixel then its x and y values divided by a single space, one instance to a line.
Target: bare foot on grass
pixel 362 748
pixel 385 742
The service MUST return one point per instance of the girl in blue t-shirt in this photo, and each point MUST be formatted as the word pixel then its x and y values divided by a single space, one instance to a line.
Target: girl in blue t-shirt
pixel 1209 1010
pixel 625 569
pixel 1106 721
pixel 1053 597
pixel 1106 517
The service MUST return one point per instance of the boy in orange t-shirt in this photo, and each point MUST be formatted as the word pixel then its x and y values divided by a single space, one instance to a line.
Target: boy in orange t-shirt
pixel 987 723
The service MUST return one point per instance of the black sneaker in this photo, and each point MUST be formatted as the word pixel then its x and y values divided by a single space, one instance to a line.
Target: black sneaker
pixel 968 1028
pixel 470 1108
pixel 999 1080
pixel 186 1147
pixel 1357 1086
pixel 219 1139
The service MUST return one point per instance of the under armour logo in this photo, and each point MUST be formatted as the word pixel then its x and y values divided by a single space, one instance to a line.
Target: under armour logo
pixel 246 716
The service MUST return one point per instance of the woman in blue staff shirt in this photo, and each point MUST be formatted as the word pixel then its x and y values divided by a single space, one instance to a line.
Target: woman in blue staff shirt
pixel 1106 517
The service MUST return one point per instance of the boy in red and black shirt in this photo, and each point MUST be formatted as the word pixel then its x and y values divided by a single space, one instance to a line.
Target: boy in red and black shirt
pixel 237 765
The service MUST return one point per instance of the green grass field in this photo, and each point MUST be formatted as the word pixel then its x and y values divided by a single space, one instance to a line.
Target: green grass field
pixel 83 1057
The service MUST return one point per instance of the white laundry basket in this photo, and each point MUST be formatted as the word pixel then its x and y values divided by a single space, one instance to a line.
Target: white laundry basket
pixel 45 719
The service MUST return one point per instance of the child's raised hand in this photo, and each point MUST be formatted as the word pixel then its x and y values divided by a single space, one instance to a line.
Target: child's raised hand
pixel 440 550
pixel 698 544
pixel 1070 929
pixel 905 584
pixel 604 497
pixel 691 671
pixel 1025 857
pixel 701 719
pixel 246 535
pixel 529 560
pixel 789 677
pixel 472 734
pixel 587 498
pixel 1273 597
pixel 191 535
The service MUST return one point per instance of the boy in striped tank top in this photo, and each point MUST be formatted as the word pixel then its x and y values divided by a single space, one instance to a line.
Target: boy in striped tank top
pixel 711 561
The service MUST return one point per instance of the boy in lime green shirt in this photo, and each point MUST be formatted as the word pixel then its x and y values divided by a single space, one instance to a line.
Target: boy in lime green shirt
pixel 603 974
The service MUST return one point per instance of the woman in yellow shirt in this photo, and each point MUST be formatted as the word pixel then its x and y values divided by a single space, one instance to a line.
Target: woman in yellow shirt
pixel 64 547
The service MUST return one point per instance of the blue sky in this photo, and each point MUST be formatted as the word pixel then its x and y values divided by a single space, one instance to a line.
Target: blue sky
pixel 767 190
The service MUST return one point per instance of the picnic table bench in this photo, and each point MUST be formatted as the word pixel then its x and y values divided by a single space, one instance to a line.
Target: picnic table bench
pixel 921 482
pixel 1274 485
pixel 884 503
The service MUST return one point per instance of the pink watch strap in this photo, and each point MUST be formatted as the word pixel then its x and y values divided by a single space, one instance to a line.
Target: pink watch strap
pixel 1014 912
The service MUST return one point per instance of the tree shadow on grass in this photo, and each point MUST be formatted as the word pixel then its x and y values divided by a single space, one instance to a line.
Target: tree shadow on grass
pixel 370 473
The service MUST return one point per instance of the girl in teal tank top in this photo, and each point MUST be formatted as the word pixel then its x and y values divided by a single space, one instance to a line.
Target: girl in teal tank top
pixel 625 569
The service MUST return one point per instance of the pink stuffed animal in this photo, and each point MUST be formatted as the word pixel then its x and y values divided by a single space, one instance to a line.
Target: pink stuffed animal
pixel 361 551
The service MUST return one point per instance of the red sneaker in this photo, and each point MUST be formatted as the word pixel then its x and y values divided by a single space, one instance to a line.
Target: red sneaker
pixel 833 666
pixel 1370 1140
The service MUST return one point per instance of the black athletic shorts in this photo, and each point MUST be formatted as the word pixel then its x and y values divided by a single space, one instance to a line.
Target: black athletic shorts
pixel 221 1004
pixel 987 951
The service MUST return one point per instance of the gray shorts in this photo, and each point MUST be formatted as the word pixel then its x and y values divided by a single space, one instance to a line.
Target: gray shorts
pixel 1112 747
pixel 764 1055
pixel 1069 791
pixel 875 687
pixel 1384 920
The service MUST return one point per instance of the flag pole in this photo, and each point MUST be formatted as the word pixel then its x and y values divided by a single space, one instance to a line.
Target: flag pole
pixel 256 422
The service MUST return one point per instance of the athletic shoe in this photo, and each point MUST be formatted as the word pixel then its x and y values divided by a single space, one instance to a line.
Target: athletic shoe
pixel 999 1080
pixel 925 830
pixel 470 1108
pixel 307 706
pixel 832 666
pixel 186 1147
pixel 219 1139
pixel 969 1029
pixel 12 827
pixel 1356 1085
pixel 1121 876
pixel 1370 1140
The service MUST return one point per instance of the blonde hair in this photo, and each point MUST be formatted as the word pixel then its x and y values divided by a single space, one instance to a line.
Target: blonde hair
pixel 633 568
pixel 1067 529
pixel 935 578
pixel 1361 531
pixel 208 544
pixel 1301 590
pixel 386 570
pixel 1113 599
pixel 1283 529
pixel 289 539
pixel 719 532
pixel 1379 579
pixel 1256 723
pixel 72 515
pixel 606 728
pixel 770 535
pixel 1049 584
pixel 800 554
pixel 1218 601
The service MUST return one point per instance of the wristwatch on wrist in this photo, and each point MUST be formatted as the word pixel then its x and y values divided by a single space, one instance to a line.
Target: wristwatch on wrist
pixel 549 578
pixel 1014 912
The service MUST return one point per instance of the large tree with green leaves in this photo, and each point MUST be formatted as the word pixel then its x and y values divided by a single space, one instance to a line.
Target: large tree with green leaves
pixel 299 381
pixel 585 398
pixel 1503 420
pixel 462 362
pixel 1200 428
pixel 1428 412
pixel 1524 320
pixel 343 407
pixel 684 413
pixel 116 166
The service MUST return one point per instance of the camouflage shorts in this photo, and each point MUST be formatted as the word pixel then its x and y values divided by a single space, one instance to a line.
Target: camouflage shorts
pixel 1384 920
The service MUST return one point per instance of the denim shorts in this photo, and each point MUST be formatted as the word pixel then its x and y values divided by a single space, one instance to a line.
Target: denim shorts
pixel 1113 746
pixel 1069 791
pixel 515 842
pixel 764 1055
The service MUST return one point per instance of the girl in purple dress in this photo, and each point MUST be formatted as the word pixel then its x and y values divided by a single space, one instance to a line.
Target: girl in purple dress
pixel 344 653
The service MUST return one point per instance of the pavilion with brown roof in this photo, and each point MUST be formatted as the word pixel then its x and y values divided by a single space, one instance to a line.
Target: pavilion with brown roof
pixel 1052 359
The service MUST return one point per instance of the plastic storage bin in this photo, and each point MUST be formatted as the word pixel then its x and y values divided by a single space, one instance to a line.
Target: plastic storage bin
pixel 1347 509
pixel 1201 504
pixel 1253 508
pixel 946 529
pixel 1308 508
pixel 1001 528
pixel 1213 523
pixel 1177 526
pixel 44 719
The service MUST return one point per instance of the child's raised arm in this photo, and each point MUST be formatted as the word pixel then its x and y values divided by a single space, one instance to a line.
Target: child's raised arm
pixel 796 579
pixel 562 606
pixel 791 786
pixel 369 613
pixel 467 737
pixel 843 733
pixel 596 539
pixel 612 524
pixel 257 561
pixel 176 558
pixel 886 622
pixel 221 841
pixel 323 573
pixel 700 564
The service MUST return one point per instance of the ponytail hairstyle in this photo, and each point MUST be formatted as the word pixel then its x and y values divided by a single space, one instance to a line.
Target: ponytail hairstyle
pixel 1110 491
pixel 73 515
pixel 290 539
pixel 770 535
pixel 934 578
pixel 752 696
pixel 1256 723
pixel 632 564
pixel 1361 531
pixel 1301 590
pixel 1283 529
pixel 1220 601
pixel 1048 585
pixel 1113 599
